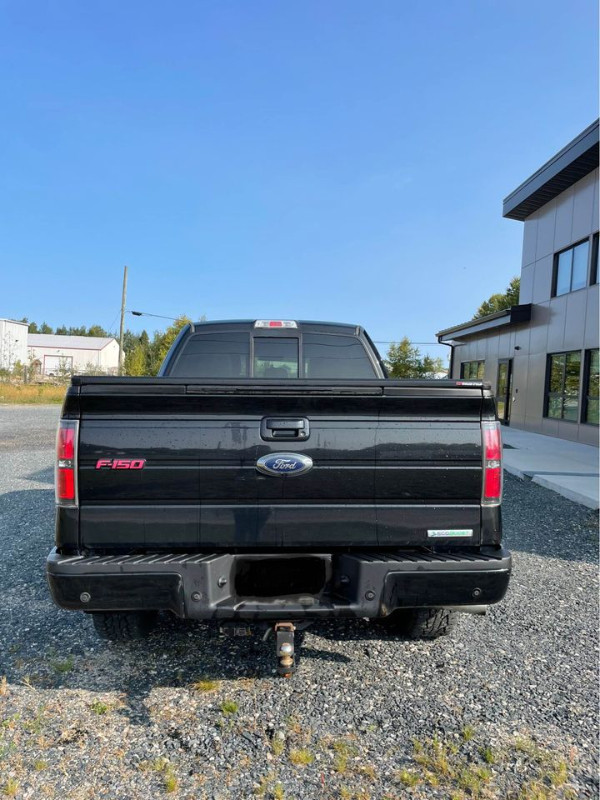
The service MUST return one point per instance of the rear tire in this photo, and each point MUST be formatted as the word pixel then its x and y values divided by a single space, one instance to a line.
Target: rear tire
pixel 419 623
pixel 124 626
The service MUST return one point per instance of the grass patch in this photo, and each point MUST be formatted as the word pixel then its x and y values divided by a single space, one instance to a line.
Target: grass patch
pixel 10 788
pixel 31 394
pixel 36 725
pixel 407 778
pixel 468 732
pixel 529 748
pixel 344 751
pixel 368 770
pixel 558 774
pixel 461 772
pixel 345 748
pixel 277 746
pixel 269 784
pixel 64 666
pixel 340 764
pixel 40 765
pixel 171 783
pixel 434 757
pixel 10 723
pixel 98 707
pixel 301 756
pixel 205 685
pixel 229 707
pixel 488 755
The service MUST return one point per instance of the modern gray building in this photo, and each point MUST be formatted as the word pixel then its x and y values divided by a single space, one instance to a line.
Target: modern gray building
pixel 541 356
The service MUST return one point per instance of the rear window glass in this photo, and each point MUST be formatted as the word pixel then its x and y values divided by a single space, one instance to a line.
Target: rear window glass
pixel 227 355
pixel 275 358
pixel 332 356
pixel 214 355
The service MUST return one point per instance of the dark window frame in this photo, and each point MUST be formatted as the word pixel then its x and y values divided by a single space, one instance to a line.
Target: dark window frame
pixel 594 260
pixel 463 364
pixel 585 394
pixel 547 385
pixel 506 397
pixel 557 256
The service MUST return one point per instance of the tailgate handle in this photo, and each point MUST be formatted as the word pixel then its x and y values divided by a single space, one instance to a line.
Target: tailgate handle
pixel 284 428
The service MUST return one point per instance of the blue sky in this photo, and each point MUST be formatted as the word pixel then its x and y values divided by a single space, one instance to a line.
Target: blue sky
pixel 335 160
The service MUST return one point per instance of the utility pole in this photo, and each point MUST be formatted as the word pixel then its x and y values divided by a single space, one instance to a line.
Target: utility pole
pixel 123 300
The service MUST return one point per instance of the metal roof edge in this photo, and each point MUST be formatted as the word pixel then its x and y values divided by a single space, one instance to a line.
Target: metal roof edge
pixel 577 159
pixel 514 315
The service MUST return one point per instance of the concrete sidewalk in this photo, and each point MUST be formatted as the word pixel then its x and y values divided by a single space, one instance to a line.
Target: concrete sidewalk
pixel 569 468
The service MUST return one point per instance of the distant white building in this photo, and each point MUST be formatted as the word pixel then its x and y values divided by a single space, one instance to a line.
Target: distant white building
pixel 51 354
pixel 13 343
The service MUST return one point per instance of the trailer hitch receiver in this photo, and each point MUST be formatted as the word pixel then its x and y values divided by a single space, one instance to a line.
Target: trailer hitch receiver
pixel 284 648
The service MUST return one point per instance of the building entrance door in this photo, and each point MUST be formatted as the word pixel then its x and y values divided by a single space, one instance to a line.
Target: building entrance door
pixel 504 390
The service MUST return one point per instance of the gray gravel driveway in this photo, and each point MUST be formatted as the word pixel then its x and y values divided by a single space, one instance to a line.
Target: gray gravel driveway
pixel 506 707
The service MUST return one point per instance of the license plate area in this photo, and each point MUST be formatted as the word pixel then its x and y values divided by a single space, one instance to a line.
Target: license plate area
pixel 281 576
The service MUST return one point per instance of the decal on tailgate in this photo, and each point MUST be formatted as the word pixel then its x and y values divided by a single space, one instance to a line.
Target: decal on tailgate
pixel 120 463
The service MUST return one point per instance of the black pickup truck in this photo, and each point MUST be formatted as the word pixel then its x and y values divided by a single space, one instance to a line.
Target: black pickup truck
pixel 272 473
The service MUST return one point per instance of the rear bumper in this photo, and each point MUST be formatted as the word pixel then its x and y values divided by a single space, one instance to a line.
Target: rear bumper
pixel 206 585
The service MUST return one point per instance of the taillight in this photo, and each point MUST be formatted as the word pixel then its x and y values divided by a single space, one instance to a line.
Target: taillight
pixel 492 463
pixel 65 483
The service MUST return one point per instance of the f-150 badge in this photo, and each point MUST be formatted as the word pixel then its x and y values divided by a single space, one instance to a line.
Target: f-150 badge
pixel 283 464
pixel 120 463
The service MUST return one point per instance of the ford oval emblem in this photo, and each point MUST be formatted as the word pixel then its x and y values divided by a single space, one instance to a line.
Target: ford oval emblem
pixel 283 464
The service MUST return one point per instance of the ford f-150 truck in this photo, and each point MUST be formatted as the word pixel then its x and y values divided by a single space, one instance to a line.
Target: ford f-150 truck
pixel 271 473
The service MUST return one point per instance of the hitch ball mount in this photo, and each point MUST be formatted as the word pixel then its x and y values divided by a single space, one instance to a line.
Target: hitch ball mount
pixel 284 648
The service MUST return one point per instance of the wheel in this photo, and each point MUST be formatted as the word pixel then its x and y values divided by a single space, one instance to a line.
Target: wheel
pixel 419 623
pixel 124 626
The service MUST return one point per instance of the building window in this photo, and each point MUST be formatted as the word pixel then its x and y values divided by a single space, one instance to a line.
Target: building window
pixel 590 397
pixel 571 269
pixel 472 370
pixel 564 378
pixel 594 270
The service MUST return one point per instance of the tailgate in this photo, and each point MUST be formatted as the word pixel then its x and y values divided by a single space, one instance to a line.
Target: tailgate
pixel 390 462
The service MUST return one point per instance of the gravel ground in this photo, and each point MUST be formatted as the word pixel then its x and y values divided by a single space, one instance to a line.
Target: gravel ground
pixel 506 707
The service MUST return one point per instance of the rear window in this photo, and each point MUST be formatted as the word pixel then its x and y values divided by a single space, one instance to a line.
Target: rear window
pixel 214 355
pixel 331 356
pixel 275 357
pixel 227 355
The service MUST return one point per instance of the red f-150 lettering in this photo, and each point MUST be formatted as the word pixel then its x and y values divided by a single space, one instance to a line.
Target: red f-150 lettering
pixel 120 463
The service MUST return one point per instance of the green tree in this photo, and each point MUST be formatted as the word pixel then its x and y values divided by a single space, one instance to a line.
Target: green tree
pixel 135 361
pixel 404 360
pixel 130 340
pixel 33 328
pixel 498 302
pixel 161 342
pixel 96 330
pixel 45 328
